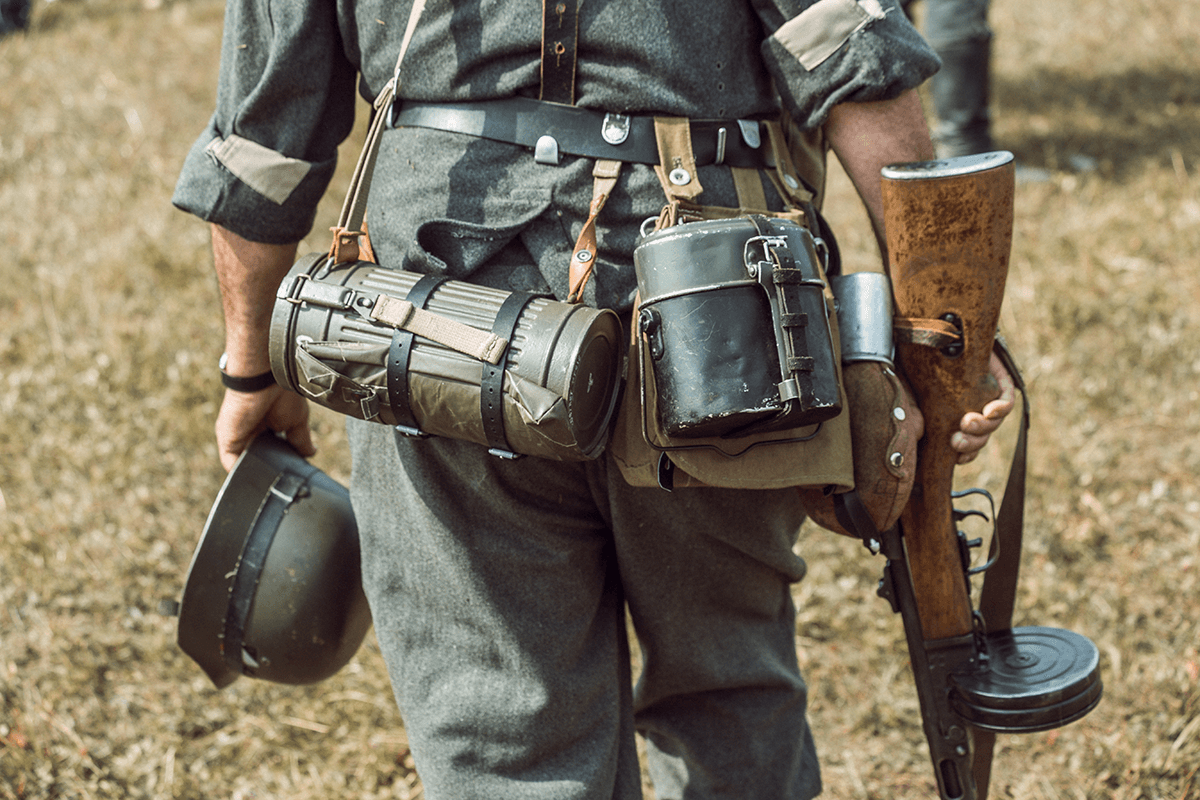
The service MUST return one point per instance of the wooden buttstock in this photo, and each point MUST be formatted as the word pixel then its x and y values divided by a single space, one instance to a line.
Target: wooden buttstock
pixel 949 236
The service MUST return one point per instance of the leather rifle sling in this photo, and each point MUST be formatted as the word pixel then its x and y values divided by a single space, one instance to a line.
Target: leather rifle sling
pixel 998 595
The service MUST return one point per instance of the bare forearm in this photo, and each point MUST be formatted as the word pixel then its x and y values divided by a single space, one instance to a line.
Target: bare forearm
pixel 249 274
pixel 868 136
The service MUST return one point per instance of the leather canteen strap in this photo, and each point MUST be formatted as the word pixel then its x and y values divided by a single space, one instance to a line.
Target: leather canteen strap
pixel 560 44
pixel 785 176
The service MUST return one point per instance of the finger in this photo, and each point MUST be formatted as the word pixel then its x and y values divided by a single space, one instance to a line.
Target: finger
pixel 231 448
pixel 300 437
pixel 979 424
pixel 229 453
pixel 1003 405
pixel 999 408
pixel 966 443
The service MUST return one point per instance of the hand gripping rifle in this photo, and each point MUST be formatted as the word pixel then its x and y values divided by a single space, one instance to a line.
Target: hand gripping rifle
pixel 949 231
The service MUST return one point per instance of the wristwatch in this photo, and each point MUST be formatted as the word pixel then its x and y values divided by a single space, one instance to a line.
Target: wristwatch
pixel 254 383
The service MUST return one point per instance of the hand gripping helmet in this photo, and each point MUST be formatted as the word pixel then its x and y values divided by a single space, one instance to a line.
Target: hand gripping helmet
pixel 274 589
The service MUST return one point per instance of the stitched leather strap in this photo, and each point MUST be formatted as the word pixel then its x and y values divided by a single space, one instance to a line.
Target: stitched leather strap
pixel 491 385
pixel 254 555
pixel 346 233
pixel 399 352
pixel 560 45
pixel 586 132
pixel 583 257
pixel 999 592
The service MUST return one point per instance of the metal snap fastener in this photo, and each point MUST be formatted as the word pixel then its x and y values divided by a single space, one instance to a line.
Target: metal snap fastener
pixel 583 256
pixel 680 176
pixel 899 414
pixel 791 182
pixel 896 460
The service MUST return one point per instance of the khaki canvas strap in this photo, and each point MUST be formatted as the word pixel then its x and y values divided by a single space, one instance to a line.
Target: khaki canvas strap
pixel 403 315
pixel 676 166
pixel 680 180
pixel 787 181
pixel 583 257
pixel 749 188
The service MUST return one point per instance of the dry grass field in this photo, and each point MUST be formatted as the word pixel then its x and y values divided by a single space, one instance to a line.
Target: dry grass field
pixel 110 329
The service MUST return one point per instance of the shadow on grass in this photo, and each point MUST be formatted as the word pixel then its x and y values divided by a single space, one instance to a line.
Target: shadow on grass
pixel 1118 123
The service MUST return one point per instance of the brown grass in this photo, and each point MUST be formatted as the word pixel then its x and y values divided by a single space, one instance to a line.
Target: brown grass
pixel 109 331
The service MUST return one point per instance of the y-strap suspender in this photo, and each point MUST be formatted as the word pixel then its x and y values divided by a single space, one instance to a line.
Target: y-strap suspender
pixel 560 52
pixel 560 48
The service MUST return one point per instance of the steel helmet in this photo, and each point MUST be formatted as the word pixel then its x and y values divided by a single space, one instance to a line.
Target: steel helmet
pixel 274 589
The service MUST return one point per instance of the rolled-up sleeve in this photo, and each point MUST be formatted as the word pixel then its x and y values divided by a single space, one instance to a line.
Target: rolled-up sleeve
pixel 826 52
pixel 285 100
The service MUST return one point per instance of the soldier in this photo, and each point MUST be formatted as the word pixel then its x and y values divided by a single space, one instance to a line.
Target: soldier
pixel 499 588
pixel 14 16
pixel 959 33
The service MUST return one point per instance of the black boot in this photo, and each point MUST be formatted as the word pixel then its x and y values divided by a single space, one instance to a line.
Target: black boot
pixel 960 98
pixel 14 16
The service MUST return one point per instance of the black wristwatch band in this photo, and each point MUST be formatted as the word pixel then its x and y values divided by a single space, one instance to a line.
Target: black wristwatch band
pixel 254 383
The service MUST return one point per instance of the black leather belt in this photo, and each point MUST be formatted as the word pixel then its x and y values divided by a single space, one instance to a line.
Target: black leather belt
pixel 553 130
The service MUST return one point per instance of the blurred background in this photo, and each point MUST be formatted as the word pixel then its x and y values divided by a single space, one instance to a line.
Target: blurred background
pixel 110 330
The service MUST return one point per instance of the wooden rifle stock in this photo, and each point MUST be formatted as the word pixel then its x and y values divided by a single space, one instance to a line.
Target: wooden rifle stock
pixel 949 233
pixel 948 238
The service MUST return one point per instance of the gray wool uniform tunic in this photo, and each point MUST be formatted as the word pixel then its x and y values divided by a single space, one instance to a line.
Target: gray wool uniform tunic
pixel 499 588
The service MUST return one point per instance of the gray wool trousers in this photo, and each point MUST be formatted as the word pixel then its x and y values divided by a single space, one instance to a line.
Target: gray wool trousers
pixel 499 592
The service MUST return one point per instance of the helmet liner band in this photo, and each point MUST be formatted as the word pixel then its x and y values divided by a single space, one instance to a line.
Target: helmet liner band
pixel 275 504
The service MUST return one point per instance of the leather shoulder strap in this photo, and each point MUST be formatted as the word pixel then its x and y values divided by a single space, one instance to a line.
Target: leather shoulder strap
pixel 560 44
pixel 346 233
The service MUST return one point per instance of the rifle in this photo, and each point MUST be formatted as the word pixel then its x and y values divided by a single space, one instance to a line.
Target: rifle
pixel 949 231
